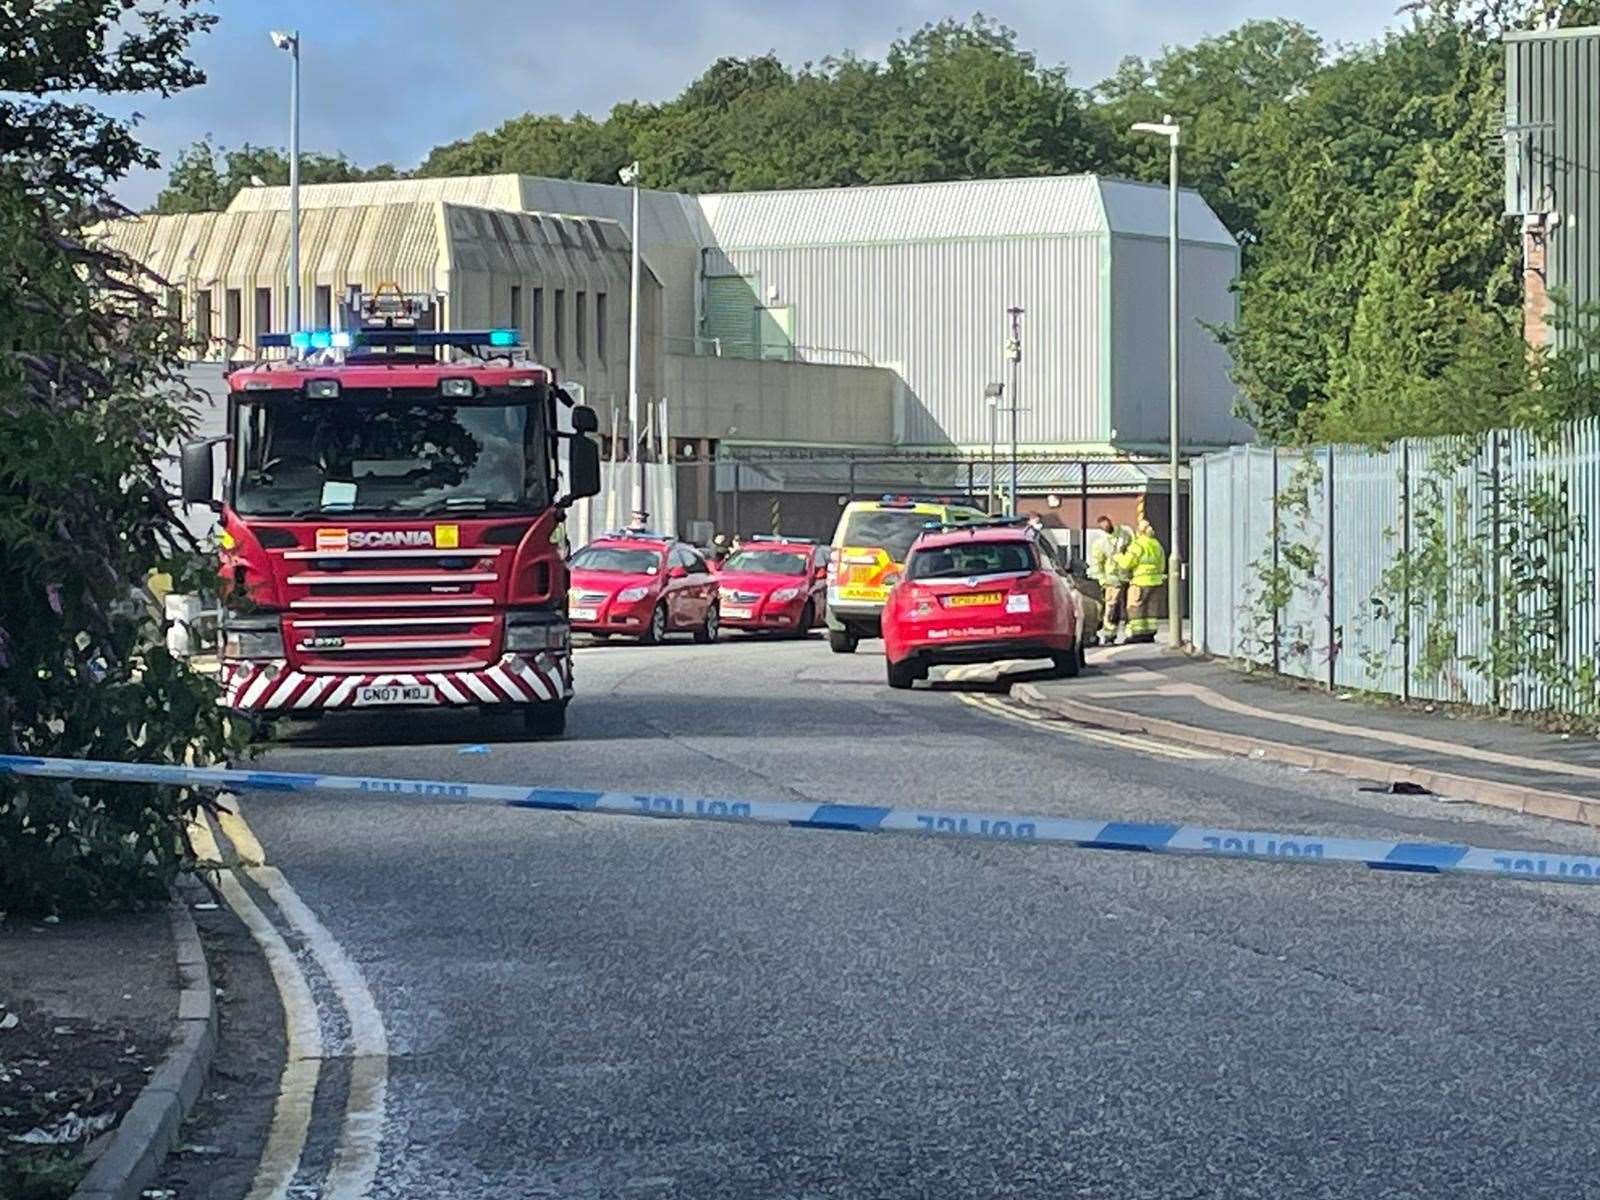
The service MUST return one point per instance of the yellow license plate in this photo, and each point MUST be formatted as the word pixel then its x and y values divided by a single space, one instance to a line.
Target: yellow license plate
pixel 973 599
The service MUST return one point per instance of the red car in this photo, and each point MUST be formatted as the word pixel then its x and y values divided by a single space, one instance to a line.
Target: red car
pixel 644 585
pixel 776 584
pixel 976 593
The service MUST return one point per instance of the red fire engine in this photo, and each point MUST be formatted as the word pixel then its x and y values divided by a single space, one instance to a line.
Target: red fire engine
pixel 391 520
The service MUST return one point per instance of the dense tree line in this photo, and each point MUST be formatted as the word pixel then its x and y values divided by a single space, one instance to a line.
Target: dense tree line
pixel 1379 294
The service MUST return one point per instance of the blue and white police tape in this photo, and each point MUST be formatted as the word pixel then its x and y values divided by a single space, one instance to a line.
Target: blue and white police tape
pixel 1433 858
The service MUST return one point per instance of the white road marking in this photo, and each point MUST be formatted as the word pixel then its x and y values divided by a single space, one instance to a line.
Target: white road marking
pixel 1125 741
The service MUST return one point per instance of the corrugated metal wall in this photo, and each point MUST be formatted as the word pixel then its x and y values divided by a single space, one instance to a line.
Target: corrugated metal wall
pixel 1553 149
pixel 1455 570
pixel 1138 339
pixel 935 311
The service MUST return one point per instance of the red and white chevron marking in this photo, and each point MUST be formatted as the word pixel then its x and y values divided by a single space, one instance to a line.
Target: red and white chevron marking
pixel 271 686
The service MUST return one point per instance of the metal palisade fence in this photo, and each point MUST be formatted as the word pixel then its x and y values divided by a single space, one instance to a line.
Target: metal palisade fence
pixel 1453 569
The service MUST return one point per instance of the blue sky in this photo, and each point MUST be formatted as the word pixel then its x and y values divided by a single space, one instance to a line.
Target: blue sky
pixel 386 80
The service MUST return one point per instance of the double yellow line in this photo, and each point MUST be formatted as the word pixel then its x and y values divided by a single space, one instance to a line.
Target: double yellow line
pixel 355 1161
pixel 1011 711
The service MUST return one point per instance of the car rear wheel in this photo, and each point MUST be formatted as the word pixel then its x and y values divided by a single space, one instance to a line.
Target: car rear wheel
pixel 903 674
pixel 707 633
pixel 545 720
pixel 808 618
pixel 1067 665
pixel 657 629
pixel 842 641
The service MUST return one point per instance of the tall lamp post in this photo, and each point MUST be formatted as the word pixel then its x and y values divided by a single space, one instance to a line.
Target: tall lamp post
pixel 1014 357
pixel 629 177
pixel 1168 129
pixel 992 392
pixel 290 42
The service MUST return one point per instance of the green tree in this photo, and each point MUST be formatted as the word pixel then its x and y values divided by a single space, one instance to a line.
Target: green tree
pixel 951 101
pixel 534 144
pixel 1435 342
pixel 194 184
pixel 1340 162
pixel 89 403
pixel 197 183
pixel 1219 89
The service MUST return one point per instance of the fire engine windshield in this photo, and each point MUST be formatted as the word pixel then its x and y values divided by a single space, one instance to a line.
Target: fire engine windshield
pixel 296 456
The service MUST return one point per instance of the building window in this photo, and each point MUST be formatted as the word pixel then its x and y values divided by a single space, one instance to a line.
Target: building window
pixel 561 320
pixel 263 313
pixel 536 342
pixel 580 310
pixel 233 306
pixel 322 307
pixel 175 305
pixel 516 308
pixel 202 318
pixel 600 326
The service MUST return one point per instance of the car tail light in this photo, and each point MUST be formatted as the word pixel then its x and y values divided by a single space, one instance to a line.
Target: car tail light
pixel 833 568
pixel 1038 581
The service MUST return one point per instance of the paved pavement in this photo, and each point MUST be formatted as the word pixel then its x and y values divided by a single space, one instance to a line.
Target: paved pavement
pixel 583 1006
pixel 1156 682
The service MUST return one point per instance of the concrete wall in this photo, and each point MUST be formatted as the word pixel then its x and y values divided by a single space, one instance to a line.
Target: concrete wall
pixel 777 401
pixel 1139 393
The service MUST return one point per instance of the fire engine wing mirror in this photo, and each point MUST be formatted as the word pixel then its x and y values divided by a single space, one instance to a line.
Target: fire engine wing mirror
pixel 583 468
pixel 584 419
pixel 197 482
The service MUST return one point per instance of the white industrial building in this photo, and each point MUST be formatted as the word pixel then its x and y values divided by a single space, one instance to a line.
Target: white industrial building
pixel 848 320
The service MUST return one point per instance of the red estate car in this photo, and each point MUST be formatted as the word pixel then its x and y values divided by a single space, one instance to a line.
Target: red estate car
pixel 776 584
pixel 644 585
pixel 979 593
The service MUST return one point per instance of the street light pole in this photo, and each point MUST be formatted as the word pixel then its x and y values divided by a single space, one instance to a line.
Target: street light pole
pixel 1014 355
pixel 629 175
pixel 992 393
pixel 291 43
pixel 1171 131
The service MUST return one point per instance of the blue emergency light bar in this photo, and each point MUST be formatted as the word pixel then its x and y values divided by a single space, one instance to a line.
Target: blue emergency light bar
pixel 346 339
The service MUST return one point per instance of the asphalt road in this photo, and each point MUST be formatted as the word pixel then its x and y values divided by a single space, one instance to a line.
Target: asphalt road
pixel 584 1006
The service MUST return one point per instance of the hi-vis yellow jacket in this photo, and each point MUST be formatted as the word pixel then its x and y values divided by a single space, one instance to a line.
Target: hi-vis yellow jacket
pixel 1145 561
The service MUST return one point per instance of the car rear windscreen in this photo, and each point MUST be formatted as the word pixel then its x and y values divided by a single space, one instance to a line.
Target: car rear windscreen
pixel 888 529
pixel 971 558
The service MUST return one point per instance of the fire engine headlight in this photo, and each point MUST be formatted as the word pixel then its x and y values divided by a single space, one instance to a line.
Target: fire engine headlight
pixel 253 639
pixel 632 595
pixel 784 595
pixel 530 635
pixel 456 389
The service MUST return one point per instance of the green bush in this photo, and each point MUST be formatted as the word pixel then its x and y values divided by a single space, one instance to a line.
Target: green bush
pixel 90 401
